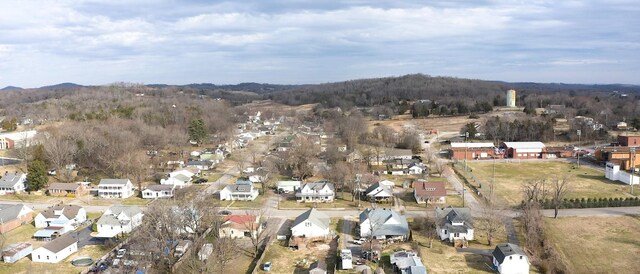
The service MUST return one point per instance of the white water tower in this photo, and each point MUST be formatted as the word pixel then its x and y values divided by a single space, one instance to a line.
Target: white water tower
pixel 511 98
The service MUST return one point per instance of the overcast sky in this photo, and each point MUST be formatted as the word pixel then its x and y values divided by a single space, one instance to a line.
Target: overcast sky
pixel 293 41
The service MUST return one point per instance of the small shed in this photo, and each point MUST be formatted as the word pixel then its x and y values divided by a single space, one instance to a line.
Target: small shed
pixel 14 253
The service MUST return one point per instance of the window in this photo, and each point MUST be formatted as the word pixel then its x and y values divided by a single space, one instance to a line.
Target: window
pixel 520 257
pixel 456 234
pixel 445 231
pixel 510 257
pixel 47 257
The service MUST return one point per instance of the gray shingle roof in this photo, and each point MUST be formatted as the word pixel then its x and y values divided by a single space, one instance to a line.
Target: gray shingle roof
pixel 61 243
pixel 9 180
pixel 69 211
pixel 505 250
pixel 450 214
pixel 113 181
pixel 314 216
pixel 64 186
pixel 9 212
pixel 380 218
pixel 373 190
pixel 239 188
pixel 110 219
pixel 159 187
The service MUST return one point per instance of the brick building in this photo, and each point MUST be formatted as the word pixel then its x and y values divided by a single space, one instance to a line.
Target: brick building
pixel 13 216
pixel 472 151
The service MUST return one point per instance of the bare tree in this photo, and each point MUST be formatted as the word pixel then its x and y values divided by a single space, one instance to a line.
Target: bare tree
pixel 535 190
pixel 426 226
pixel 440 167
pixel 561 186
pixel 490 224
pixel 258 232
pixel 224 251
pixel 60 151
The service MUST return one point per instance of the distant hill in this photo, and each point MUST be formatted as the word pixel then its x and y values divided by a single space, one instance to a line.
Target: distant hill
pixel 9 88
pixel 530 86
pixel 249 87
pixel 63 86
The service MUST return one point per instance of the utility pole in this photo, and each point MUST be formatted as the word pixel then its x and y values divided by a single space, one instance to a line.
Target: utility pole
pixel 463 189
pixel 466 148
pixel 493 183
pixel 579 132
pixel 632 165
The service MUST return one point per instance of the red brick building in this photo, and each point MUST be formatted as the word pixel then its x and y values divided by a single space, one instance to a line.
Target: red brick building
pixel 14 216
pixel 472 151
pixel 629 140
pixel 523 150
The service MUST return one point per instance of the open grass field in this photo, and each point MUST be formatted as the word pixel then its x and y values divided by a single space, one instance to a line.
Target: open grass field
pixel 511 176
pixel 597 244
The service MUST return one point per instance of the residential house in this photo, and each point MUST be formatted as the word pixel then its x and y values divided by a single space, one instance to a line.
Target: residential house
pixel 311 223
pixel 118 219
pixel 240 226
pixel 383 223
pixel 178 180
pixel 256 178
pixel 13 216
pixel 318 267
pixel 379 192
pixel 15 252
pixel 454 224
pixel 71 214
pixel 115 188
pixel 56 250
pixel 158 191
pixel 416 168
pixel 188 172
pixel 288 186
pixel 238 193
pixel 67 189
pixel 322 191
pixel 244 182
pixel 407 262
pixel 13 182
pixel 510 259
pixel 202 165
pixel 429 192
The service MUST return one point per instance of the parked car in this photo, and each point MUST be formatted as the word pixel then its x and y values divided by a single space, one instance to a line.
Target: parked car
pixel 224 212
pixel 116 263
pixel 267 266
pixel 201 181
pixel 358 241
pixel 121 253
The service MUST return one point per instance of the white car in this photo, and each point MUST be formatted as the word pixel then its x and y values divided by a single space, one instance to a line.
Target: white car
pixel 358 241
pixel 121 253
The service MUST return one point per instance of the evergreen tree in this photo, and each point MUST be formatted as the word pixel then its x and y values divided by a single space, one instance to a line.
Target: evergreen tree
pixel 37 175
pixel 197 131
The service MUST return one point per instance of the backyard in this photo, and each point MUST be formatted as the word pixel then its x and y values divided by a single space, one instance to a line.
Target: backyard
pixel 597 244
pixel 510 177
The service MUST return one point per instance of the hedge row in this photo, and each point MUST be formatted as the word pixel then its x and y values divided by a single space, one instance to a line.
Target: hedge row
pixel 592 202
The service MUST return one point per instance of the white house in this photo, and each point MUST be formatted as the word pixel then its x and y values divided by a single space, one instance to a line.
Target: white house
pixel 407 262
pixel 510 259
pixel 256 178
pixel 12 183
pixel 238 193
pixel 188 172
pixel 202 165
pixel 321 191
pixel 416 169
pixel 179 180
pixel 158 191
pixel 454 224
pixel 240 226
pixel 311 223
pixel 118 219
pixel 379 192
pixel 288 186
pixel 56 250
pixel 383 223
pixel 72 214
pixel 115 188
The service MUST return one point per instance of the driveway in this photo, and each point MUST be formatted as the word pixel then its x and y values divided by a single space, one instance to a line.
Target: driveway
pixel 84 238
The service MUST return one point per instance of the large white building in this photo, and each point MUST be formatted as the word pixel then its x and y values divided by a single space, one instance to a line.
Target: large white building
pixel 115 188
pixel 118 219
pixel 311 223
pixel 56 250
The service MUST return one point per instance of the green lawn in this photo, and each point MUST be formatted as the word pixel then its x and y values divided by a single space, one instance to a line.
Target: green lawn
pixel 510 177
pixel 257 203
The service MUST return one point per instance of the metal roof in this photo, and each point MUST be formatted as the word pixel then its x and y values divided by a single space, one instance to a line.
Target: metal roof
pixel 525 145
pixel 472 145
pixel 314 216
pixel 505 250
